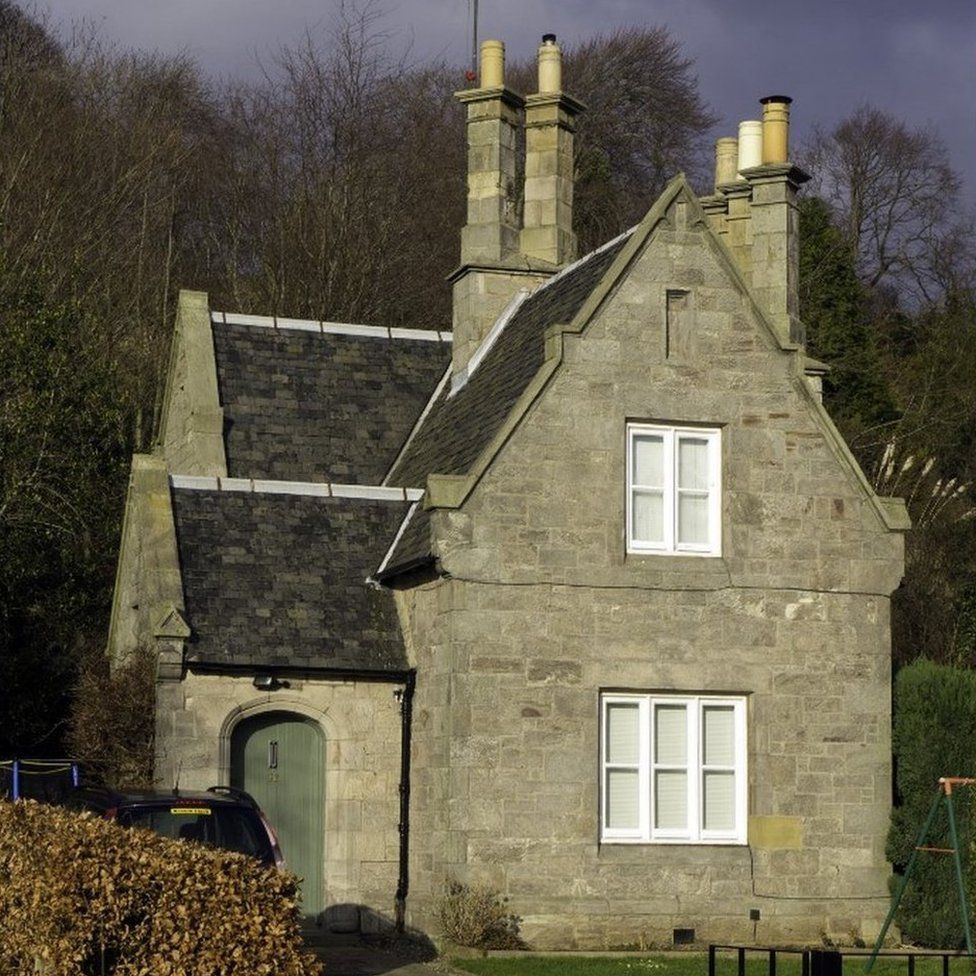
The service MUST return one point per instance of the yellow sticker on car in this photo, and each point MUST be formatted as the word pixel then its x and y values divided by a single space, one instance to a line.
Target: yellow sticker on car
pixel 190 810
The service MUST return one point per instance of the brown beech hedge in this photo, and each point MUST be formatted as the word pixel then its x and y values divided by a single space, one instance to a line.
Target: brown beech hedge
pixel 80 895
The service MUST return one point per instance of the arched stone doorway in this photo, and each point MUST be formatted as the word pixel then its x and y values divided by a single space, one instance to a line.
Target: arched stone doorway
pixel 279 758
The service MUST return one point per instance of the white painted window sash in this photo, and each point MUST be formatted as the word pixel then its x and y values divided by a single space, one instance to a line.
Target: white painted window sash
pixel 694 831
pixel 671 491
pixel 737 834
pixel 643 764
pixel 686 833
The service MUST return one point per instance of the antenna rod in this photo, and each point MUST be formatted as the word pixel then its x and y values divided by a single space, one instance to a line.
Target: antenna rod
pixel 473 5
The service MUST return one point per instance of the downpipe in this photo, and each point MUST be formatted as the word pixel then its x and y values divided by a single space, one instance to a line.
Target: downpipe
pixel 405 697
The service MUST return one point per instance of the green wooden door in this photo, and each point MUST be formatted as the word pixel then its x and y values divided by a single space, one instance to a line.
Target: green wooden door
pixel 279 758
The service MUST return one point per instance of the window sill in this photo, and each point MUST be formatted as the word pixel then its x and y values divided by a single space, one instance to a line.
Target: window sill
pixel 677 562
pixel 676 842
pixel 676 855
pixel 673 553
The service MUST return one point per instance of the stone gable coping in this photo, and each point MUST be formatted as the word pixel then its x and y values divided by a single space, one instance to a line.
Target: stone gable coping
pixel 323 489
pixel 329 328
pixel 451 492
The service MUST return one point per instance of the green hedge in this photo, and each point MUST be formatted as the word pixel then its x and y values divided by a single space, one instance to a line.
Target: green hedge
pixel 75 889
pixel 934 735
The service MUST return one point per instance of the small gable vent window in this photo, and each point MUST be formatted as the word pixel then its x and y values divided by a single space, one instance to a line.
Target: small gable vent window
pixel 674 769
pixel 674 502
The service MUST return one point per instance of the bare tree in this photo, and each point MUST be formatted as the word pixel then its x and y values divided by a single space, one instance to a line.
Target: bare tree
pixel 645 121
pixel 343 176
pixel 894 194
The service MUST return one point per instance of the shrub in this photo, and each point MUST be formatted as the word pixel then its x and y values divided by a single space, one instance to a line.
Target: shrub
pixel 111 725
pixel 934 735
pixel 75 890
pixel 477 916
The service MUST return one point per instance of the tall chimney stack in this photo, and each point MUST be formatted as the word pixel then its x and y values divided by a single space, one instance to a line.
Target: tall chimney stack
pixel 492 268
pixel 550 121
pixel 774 222
pixel 491 231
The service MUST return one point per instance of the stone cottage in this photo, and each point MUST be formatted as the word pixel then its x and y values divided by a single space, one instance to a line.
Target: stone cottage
pixel 585 598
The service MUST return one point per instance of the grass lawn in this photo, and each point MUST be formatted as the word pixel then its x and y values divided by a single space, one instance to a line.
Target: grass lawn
pixel 688 964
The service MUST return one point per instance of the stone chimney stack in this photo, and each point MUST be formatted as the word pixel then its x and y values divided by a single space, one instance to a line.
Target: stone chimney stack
pixel 775 220
pixel 493 267
pixel 755 211
pixel 491 232
pixel 550 121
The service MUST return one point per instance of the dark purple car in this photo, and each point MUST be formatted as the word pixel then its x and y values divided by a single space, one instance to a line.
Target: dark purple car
pixel 221 817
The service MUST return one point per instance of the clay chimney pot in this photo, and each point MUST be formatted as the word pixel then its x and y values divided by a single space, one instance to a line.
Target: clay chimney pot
pixel 492 64
pixel 776 129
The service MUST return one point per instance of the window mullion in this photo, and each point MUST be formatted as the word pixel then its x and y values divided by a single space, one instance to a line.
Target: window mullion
pixel 670 490
pixel 644 774
pixel 741 772
pixel 715 493
pixel 694 769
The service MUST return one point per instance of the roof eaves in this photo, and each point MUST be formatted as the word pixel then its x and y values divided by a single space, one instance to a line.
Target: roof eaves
pixel 330 328
pixel 316 489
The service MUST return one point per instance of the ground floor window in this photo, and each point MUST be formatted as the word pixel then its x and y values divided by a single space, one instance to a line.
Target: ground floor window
pixel 673 768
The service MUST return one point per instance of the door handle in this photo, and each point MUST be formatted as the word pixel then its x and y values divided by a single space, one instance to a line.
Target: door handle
pixel 273 754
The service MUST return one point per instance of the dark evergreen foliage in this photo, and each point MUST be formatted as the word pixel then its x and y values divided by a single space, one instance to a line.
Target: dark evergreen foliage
pixel 934 735
pixel 62 480
pixel 836 311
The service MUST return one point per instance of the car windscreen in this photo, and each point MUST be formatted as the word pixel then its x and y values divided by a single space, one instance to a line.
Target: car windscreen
pixel 229 828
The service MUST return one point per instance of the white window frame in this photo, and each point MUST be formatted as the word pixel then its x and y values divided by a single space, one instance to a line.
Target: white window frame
pixel 694 833
pixel 672 437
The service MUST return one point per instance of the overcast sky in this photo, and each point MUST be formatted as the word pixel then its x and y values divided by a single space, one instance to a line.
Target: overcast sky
pixel 914 58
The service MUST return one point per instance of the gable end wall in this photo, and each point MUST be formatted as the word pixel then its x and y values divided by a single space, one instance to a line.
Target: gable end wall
pixel 543 609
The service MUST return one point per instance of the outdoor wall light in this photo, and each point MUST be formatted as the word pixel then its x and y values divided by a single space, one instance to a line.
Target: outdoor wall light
pixel 268 682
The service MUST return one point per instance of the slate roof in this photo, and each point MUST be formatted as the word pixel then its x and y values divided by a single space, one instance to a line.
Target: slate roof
pixel 280 579
pixel 410 549
pixel 308 406
pixel 458 427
